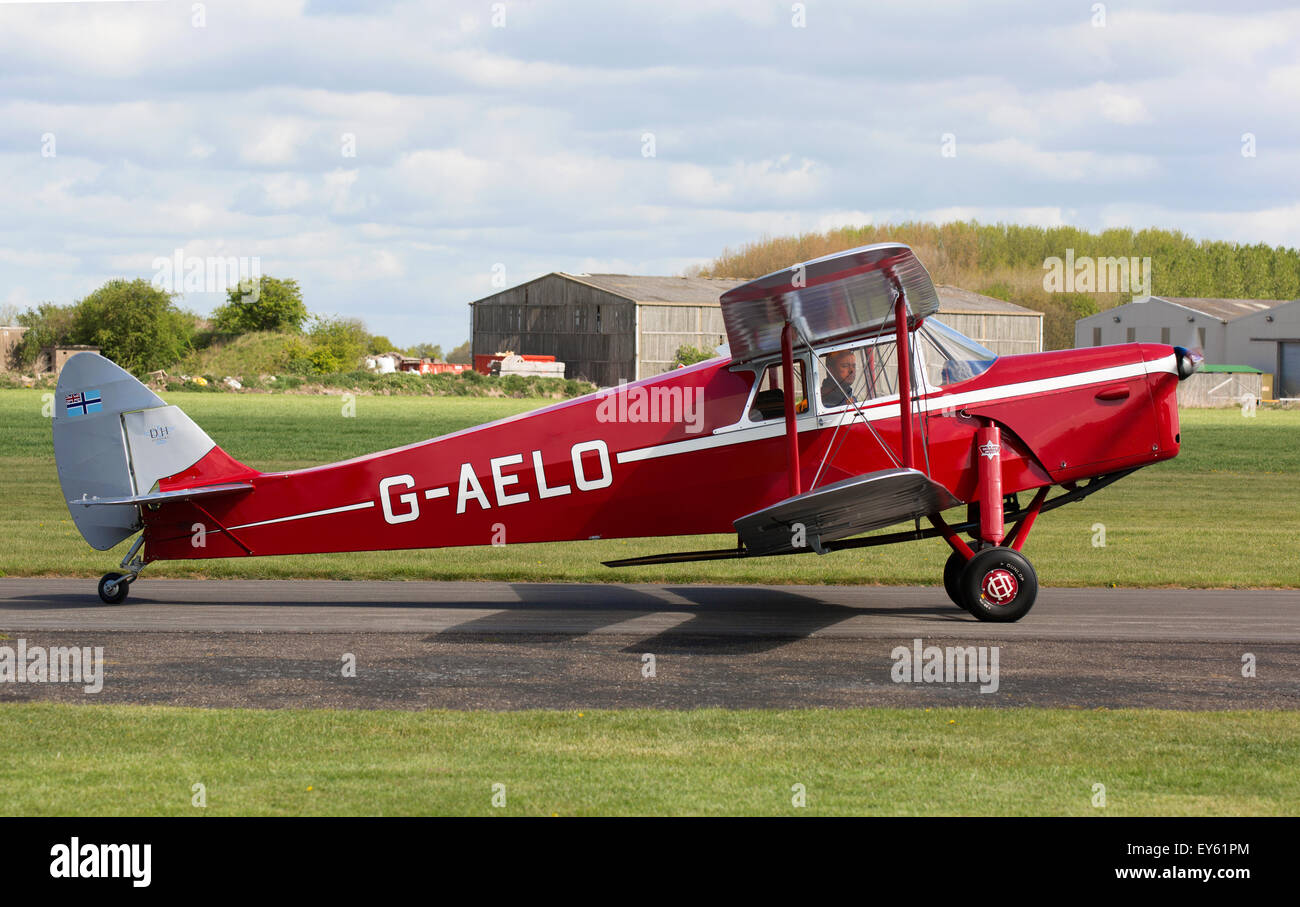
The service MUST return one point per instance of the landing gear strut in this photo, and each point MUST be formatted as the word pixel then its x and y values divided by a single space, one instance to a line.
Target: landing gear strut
pixel 993 583
pixel 990 578
pixel 114 586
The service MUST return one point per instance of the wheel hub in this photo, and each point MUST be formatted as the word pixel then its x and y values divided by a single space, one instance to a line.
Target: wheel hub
pixel 1000 586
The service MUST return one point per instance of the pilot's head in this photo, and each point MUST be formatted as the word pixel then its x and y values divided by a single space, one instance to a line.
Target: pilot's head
pixel 843 367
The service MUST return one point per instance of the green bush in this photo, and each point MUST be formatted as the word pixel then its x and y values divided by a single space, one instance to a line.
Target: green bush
pixel 47 325
pixel 446 384
pixel 134 323
pixel 689 355
pixel 331 345
pixel 274 305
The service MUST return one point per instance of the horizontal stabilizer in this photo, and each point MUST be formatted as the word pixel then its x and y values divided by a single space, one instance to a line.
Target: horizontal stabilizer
pixel 160 497
pixel 852 506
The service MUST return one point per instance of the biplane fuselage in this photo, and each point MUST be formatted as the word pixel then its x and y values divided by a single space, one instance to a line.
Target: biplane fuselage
pixel 678 454
pixel 844 406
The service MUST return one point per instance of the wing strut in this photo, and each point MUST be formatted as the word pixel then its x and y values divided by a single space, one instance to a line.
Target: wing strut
pixel 904 374
pixel 791 430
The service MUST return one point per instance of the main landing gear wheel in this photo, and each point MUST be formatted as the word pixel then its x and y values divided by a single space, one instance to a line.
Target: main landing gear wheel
pixel 113 588
pixel 998 585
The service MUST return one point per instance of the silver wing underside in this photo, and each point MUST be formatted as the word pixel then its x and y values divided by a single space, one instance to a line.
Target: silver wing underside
pixel 850 507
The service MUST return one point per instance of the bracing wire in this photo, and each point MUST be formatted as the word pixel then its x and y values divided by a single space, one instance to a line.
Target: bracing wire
pixel 857 408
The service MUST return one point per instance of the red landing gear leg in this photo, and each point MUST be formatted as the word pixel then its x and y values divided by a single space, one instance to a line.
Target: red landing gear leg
pixel 1021 532
pixel 996 583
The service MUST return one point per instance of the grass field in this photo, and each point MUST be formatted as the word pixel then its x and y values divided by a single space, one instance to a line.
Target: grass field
pixel 1225 513
pixel 126 760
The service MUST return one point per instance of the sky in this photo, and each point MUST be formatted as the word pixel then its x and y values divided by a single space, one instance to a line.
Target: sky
pixel 402 159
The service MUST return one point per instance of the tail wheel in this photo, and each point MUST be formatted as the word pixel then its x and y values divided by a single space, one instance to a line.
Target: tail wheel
pixel 952 578
pixel 113 588
pixel 998 585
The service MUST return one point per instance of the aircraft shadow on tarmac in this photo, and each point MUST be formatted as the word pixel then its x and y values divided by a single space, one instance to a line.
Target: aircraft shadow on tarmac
pixel 735 618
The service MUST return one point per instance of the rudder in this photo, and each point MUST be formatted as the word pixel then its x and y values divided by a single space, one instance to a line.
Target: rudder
pixel 114 439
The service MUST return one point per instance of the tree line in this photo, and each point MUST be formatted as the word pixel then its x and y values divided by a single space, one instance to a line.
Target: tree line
pixel 1009 261
pixel 140 327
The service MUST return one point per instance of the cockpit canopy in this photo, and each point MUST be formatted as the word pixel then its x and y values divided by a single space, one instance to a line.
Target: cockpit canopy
pixel 951 356
pixel 841 376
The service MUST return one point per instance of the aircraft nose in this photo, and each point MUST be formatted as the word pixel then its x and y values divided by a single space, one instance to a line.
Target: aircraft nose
pixel 1189 362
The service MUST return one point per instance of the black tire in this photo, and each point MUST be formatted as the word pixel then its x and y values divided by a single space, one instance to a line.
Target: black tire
pixel 112 591
pixel 999 585
pixel 952 578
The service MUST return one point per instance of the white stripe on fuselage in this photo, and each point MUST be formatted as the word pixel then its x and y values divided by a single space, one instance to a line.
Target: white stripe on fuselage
pixel 743 435
pixel 302 516
pixel 935 401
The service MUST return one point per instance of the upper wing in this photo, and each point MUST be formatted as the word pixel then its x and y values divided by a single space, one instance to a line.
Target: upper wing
pixel 842 296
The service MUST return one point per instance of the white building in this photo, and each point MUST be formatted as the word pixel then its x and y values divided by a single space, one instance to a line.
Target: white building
pixel 1261 333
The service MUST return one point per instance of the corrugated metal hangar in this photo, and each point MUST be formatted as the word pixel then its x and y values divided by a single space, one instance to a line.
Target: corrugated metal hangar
pixel 618 327
pixel 1004 327
pixel 1261 333
pixel 606 328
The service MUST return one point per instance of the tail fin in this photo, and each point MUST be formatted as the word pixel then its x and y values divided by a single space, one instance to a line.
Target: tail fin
pixel 114 440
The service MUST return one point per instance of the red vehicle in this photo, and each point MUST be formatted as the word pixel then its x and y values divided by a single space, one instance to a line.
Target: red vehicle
pixel 842 407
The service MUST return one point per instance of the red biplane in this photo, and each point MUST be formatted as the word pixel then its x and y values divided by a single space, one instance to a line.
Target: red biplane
pixel 841 407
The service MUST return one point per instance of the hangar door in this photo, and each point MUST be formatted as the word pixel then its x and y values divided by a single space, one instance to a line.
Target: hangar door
pixel 1288 360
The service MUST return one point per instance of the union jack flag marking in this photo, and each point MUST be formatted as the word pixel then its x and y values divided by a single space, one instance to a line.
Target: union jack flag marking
pixel 82 403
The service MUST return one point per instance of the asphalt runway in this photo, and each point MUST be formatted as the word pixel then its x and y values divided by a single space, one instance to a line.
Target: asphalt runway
pixel 283 644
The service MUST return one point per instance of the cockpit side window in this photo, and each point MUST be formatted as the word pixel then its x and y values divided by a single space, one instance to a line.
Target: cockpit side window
pixel 858 374
pixel 768 401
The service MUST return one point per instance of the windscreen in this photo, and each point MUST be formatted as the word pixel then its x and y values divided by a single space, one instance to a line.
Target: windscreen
pixel 951 357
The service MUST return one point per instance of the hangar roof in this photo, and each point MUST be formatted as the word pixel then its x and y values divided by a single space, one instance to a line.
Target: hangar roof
pixel 708 291
pixel 1223 309
pixel 956 301
pixel 696 290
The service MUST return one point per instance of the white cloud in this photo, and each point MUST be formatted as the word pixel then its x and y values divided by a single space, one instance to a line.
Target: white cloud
pixel 1065 166
pixel 522 145
pixel 1119 107
pixel 1283 82
pixel 276 142
pixel 286 190
pixel 1276 225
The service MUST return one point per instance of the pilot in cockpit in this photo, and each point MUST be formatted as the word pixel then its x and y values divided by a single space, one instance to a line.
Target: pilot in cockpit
pixel 842 371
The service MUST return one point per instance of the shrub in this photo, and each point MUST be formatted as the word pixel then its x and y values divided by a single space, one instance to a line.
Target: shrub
pixel 134 323
pixel 275 305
